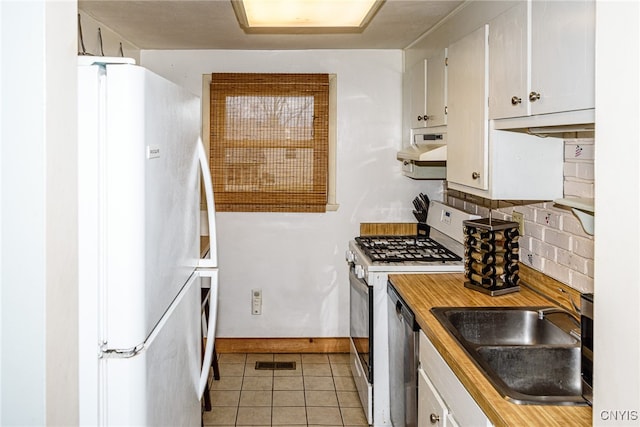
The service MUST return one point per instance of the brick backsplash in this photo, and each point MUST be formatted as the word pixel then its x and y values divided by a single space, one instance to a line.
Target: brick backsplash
pixel 554 241
pixel 578 167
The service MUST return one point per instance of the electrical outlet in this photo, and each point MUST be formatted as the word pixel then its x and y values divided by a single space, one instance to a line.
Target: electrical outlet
pixel 519 218
pixel 256 301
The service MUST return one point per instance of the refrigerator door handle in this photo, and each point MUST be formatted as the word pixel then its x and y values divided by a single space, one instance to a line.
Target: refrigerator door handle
pixel 116 353
pixel 212 261
pixel 211 327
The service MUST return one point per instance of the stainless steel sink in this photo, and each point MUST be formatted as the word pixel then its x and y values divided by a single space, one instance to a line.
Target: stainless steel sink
pixel 505 326
pixel 526 357
pixel 538 374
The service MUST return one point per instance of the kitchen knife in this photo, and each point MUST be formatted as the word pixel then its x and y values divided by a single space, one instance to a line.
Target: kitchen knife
pixel 425 202
pixel 419 211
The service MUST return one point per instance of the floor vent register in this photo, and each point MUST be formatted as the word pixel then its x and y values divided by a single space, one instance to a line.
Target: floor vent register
pixel 276 366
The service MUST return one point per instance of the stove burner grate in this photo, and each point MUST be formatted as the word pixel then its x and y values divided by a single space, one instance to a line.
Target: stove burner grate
pixel 404 249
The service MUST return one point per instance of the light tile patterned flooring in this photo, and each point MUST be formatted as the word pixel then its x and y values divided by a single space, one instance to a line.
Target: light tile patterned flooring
pixel 320 391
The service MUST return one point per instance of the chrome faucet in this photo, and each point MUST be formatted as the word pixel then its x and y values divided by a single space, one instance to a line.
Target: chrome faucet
pixel 551 310
pixel 573 304
pixel 574 317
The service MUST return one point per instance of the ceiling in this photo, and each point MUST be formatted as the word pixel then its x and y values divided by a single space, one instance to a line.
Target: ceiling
pixel 212 24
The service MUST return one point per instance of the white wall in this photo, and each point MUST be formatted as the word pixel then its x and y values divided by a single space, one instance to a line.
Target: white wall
pixel 298 259
pixel 617 221
pixel 38 255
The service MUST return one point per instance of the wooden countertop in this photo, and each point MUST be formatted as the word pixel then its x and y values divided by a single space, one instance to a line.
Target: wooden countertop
pixel 424 291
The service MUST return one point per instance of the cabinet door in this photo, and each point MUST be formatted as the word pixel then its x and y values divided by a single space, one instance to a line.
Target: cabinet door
pixel 562 56
pixel 508 62
pixel 467 124
pixel 417 77
pixel 460 404
pixel 451 422
pixel 437 89
pixel 432 411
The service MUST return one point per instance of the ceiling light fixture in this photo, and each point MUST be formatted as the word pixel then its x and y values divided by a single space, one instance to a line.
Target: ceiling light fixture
pixel 305 15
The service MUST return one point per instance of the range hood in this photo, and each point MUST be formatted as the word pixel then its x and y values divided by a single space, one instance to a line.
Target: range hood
pixel 425 158
pixel 424 153
pixel 425 147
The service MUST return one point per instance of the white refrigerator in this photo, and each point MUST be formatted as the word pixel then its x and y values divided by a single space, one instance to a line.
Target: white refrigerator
pixel 140 162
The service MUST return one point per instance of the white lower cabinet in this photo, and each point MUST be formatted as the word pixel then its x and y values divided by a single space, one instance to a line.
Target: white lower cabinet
pixel 431 409
pixel 451 422
pixel 442 399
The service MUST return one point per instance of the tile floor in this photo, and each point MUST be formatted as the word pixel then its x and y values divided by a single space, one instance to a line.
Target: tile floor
pixel 320 391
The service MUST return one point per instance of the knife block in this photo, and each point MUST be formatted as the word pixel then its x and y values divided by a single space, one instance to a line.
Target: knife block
pixel 491 256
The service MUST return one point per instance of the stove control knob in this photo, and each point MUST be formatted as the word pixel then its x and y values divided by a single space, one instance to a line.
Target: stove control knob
pixel 349 256
pixel 359 270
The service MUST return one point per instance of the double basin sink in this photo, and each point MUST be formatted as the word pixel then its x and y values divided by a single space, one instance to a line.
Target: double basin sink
pixel 527 358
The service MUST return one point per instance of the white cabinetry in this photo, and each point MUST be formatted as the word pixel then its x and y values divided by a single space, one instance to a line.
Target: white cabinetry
pixel 427 92
pixel 417 81
pixel 520 167
pixel 467 129
pixel 432 411
pixel 542 59
pixel 481 160
pixel 562 55
pixel 508 81
pixel 437 89
pixel 442 399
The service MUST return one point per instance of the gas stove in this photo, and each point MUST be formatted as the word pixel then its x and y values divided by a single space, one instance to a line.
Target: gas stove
pixel 404 248
pixel 371 260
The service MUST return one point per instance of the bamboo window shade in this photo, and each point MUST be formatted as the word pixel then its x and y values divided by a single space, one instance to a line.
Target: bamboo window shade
pixel 269 142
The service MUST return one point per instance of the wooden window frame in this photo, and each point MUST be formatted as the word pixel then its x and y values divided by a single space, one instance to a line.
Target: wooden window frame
pixel 322 196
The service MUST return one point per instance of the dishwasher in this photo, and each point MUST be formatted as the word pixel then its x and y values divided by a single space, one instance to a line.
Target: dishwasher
pixel 403 361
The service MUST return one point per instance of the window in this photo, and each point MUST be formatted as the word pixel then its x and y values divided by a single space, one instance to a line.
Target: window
pixel 269 142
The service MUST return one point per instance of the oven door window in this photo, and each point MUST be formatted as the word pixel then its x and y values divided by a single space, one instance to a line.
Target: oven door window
pixel 361 321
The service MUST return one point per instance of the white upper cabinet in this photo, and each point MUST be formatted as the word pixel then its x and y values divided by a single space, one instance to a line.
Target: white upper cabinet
pixel 508 64
pixel 542 59
pixel 427 92
pixel 467 124
pixel 437 89
pixel 484 161
pixel 417 78
pixel 562 56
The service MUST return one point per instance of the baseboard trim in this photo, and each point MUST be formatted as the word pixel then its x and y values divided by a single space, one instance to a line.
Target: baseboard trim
pixel 282 345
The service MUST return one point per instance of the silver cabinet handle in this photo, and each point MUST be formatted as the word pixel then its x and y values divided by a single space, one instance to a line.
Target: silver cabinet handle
pixel 515 100
pixel 425 118
pixel 434 418
pixel 475 175
pixel 534 96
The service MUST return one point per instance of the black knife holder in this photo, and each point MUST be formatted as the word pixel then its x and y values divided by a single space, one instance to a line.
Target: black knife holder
pixel 491 256
pixel 423 229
